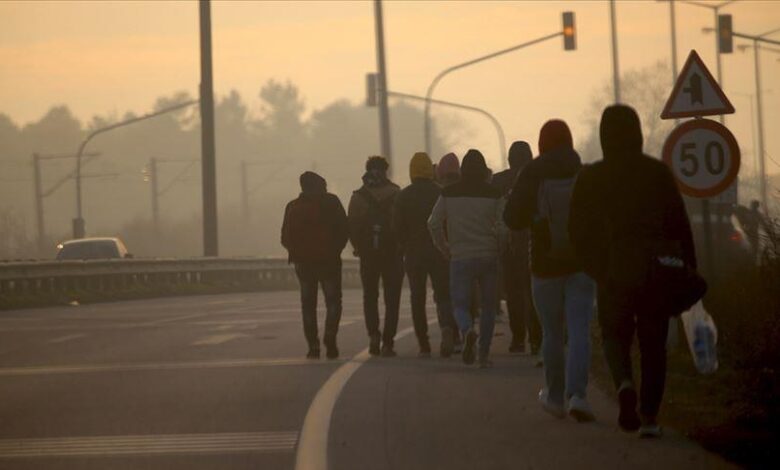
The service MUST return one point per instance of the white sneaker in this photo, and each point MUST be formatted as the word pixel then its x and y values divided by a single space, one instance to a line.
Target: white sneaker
pixel 550 407
pixel 579 409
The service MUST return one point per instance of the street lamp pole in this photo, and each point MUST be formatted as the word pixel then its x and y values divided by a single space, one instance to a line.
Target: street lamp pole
pixel 493 120
pixel 384 112
pixel 78 222
pixel 447 71
pixel 615 66
pixel 207 143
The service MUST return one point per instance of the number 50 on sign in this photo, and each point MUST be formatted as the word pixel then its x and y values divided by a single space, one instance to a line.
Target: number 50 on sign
pixel 703 156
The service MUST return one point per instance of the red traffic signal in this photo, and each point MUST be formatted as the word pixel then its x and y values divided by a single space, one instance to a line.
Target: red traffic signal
pixel 569 31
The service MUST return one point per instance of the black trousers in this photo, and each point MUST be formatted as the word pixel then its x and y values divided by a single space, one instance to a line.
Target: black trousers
pixel 618 326
pixel 310 277
pixel 419 267
pixel 389 269
pixel 519 301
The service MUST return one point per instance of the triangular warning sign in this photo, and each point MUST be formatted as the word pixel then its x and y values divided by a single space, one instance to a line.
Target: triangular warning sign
pixel 696 93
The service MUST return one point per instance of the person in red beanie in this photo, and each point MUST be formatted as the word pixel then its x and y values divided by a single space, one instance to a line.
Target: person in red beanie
pixel 563 294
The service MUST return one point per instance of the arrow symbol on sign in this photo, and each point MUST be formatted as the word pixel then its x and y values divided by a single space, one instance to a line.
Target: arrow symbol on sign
pixel 694 89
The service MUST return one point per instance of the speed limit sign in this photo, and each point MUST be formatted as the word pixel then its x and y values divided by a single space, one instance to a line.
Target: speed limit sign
pixel 703 156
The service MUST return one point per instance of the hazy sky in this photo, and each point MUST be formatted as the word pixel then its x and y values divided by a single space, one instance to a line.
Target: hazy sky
pixel 104 57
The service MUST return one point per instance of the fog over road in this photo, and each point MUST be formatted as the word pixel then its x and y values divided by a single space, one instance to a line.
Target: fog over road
pixel 220 382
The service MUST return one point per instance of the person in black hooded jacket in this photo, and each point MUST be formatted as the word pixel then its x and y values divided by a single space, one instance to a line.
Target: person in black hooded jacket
pixel 315 232
pixel 624 209
pixel 516 274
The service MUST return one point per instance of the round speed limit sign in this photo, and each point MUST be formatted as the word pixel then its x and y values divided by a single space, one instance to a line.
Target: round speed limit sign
pixel 703 156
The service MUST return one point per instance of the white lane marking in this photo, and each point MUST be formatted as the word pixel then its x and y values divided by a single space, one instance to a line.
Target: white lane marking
pixel 86 368
pixel 63 339
pixel 312 452
pixel 214 340
pixel 148 444
pixel 174 319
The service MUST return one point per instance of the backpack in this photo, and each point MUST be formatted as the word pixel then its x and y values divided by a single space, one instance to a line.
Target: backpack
pixel 377 232
pixel 554 201
pixel 311 236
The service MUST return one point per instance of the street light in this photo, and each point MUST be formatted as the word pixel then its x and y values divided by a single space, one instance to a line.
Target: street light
pixel 568 31
pixel 78 222
pixel 757 41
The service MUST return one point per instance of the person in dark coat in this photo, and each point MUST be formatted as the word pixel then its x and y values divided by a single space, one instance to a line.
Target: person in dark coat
pixel 315 232
pixel 373 238
pixel 624 209
pixel 562 292
pixel 413 206
pixel 516 264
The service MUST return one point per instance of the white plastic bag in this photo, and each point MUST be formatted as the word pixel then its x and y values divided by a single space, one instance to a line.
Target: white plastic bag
pixel 702 337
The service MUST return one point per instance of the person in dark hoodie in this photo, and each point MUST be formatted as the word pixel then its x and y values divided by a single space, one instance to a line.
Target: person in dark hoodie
pixel 515 263
pixel 413 206
pixel 470 213
pixel 375 243
pixel 624 209
pixel 562 292
pixel 315 232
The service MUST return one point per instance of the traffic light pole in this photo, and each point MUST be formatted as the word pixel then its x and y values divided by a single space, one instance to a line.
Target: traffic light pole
pixel 615 66
pixel 384 112
pixel 38 201
pixel 155 181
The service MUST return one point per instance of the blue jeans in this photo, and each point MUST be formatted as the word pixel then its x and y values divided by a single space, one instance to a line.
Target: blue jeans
pixel 565 303
pixel 463 274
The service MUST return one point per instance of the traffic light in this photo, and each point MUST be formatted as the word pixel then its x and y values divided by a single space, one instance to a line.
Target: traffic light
pixel 569 31
pixel 371 94
pixel 725 35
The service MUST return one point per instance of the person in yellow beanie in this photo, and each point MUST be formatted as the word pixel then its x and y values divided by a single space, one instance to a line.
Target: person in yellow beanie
pixel 413 206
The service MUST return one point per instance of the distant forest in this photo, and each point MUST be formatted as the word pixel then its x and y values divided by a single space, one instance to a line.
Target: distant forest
pixel 266 150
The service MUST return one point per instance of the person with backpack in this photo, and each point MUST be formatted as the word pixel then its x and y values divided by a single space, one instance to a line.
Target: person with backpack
pixel 315 232
pixel 465 227
pixel 515 263
pixel 562 292
pixel 413 206
pixel 627 217
pixel 374 241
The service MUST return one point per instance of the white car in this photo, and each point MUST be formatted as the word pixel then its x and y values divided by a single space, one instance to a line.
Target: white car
pixel 92 248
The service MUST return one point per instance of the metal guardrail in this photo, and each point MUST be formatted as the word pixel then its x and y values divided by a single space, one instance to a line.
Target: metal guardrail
pixel 51 277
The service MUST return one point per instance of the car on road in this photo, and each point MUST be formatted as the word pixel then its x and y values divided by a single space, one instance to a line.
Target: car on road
pixel 92 248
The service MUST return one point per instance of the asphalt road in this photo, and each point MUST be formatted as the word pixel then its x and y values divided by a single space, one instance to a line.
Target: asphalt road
pixel 220 382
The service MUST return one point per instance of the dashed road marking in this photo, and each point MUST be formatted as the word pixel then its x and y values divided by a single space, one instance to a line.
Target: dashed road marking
pixel 214 340
pixel 220 443
pixel 66 338
pixel 221 364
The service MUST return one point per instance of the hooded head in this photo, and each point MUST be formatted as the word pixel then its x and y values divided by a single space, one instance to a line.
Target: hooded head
pixel 312 183
pixel 621 132
pixel 473 167
pixel 421 167
pixel 376 171
pixel 448 169
pixel 520 155
pixel 555 135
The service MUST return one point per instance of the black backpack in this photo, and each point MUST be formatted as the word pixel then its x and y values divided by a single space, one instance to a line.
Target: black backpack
pixel 376 235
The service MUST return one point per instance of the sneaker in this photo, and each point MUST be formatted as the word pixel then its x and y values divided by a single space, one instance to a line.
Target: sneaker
pixel 484 361
pixel 552 408
pixel 516 347
pixel 539 362
pixel 314 353
pixel 650 431
pixel 628 420
pixel 373 345
pixel 387 351
pixel 331 350
pixel 447 342
pixel 457 347
pixel 469 354
pixel 423 354
pixel 425 349
pixel 580 410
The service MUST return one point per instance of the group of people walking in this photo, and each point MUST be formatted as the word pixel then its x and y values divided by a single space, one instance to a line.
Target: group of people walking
pixel 558 238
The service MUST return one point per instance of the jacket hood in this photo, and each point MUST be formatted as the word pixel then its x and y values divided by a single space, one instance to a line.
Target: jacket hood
pixel 448 168
pixel 473 167
pixel 312 183
pixel 421 166
pixel 620 132
pixel 519 155
pixel 555 134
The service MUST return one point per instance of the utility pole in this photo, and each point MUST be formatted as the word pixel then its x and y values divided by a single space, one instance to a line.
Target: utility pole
pixel 244 192
pixel 38 201
pixel 208 151
pixel 760 116
pixel 384 112
pixel 615 67
pixel 154 181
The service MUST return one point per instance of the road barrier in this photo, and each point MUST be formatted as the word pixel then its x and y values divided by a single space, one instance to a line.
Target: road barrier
pixel 52 278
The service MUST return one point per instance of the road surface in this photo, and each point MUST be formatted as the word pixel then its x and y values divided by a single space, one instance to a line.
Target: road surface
pixel 220 382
